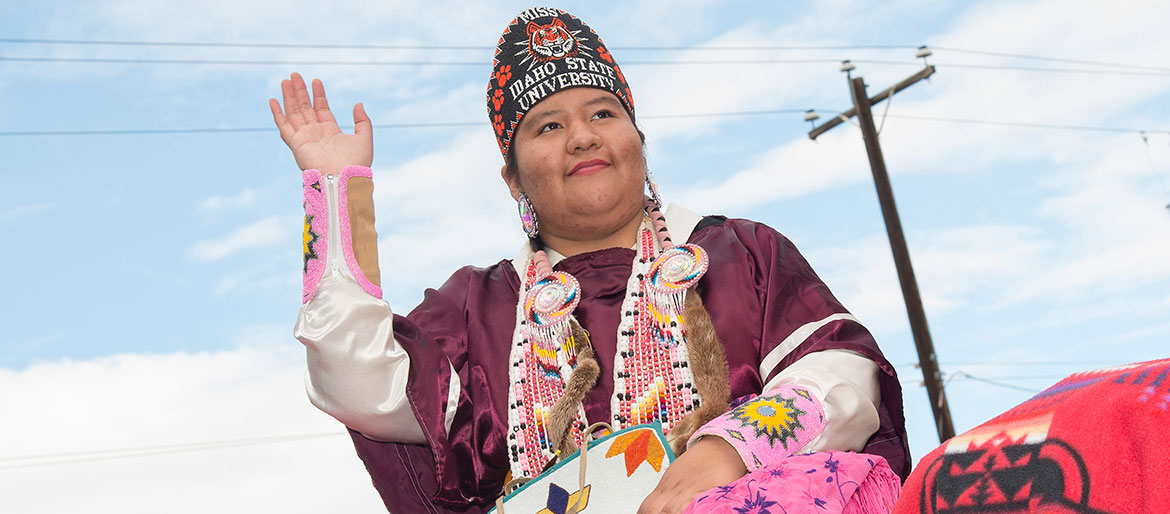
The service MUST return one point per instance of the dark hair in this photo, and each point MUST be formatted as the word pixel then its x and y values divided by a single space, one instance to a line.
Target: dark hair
pixel 514 172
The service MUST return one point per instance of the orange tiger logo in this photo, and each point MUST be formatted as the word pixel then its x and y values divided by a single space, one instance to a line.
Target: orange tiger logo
pixel 552 41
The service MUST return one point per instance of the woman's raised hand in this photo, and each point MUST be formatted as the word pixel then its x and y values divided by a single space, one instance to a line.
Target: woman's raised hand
pixel 308 128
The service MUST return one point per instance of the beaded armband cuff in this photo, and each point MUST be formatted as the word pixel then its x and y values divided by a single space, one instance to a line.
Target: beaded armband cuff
pixel 316 234
pixel 768 428
pixel 327 196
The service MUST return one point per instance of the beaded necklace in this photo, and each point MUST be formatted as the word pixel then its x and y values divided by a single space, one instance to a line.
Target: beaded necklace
pixel 651 373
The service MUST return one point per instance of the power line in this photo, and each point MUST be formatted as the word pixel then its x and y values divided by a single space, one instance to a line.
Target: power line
pixel 996 383
pixel 777 48
pixel 650 48
pixel 1053 377
pixel 1057 376
pixel 1046 58
pixel 1154 169
pixel 167 447
pixel 723 114
pixel 1095 363
pixel 483 63
pixel 1054 126
pixel 1156 72
pixel 644 48
pixel 1047 126
pixel 689 62
pixel 103 60
pixel 398 46
pixel 124 132
pixel 1161 72
pixel 950 378
pixel 29 461
pixel 962 374
pixel 720 62
pixel 214 44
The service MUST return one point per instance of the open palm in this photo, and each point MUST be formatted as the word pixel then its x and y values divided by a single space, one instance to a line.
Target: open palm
pixel 309 129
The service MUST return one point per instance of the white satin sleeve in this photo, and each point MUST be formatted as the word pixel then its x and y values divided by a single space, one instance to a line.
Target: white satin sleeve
pixel 357 372
pixel 846 383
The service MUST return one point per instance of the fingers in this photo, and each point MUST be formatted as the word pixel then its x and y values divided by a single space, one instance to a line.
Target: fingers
pixel 320 104
pixel 279 118
pixel 653 503
pixel 292 109
pixel 677 504
pixel 648 508
pixel 661 505
pixel 304 104
pixel 298 107
pixel 675 490
pixel 361 122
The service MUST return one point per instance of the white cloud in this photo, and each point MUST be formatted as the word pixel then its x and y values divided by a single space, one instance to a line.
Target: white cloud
pixel 273 274
pixel 437 213
pixel 141 400
pixel 457 103
pixel 20 211
pixel 218 203
pixel 265 232
pixel 252 22
pixel 31 343
pixel 954 268
pixel 793 169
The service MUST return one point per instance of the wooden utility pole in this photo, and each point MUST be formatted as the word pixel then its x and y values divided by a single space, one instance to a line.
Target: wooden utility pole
pixel 918 327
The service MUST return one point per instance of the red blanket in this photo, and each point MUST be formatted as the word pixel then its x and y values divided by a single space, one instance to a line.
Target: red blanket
pixel 1096 442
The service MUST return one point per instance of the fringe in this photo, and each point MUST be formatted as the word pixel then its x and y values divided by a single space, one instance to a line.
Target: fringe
pixel 581 380
pixel 876 494
pixel 709 369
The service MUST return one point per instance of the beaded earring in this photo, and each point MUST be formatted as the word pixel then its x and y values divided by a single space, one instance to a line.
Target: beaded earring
pixel 652 186
pixel 527 216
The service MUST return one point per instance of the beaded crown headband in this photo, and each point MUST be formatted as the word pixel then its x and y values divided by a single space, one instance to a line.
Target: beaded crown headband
pixel 543 51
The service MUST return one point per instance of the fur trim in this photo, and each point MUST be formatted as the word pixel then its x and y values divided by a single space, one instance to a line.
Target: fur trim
pixel 581 380
pixel 709 368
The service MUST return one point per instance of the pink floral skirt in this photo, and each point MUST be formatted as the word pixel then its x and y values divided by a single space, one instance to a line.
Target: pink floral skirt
pixel 823 483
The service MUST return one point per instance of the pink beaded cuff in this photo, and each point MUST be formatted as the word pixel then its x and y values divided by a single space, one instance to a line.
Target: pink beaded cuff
pixel 768 428
pixel 316 233
pixel 346 238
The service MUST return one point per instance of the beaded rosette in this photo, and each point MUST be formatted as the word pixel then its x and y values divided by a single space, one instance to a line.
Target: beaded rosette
pixel 670 275
pixel 544 353
pixel 547 307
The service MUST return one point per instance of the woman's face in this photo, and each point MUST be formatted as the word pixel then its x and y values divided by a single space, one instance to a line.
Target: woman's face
pixel 579 160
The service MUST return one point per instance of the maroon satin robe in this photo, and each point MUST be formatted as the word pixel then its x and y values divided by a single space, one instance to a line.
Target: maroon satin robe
pixel 758 290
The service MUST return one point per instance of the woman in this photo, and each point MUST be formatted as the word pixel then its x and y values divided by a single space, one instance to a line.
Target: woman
pixel 502 367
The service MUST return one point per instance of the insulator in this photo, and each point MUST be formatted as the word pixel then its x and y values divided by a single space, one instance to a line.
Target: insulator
pixel 847 65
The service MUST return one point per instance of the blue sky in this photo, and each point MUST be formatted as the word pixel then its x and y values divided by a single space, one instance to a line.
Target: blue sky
pixel 152 279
